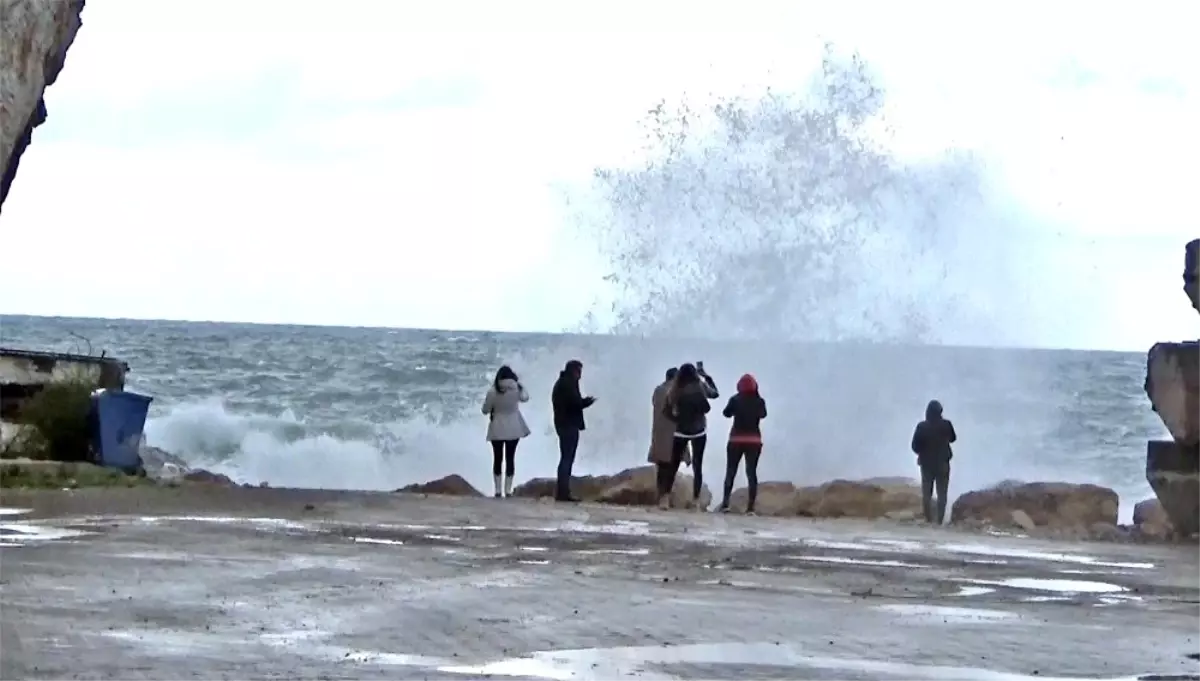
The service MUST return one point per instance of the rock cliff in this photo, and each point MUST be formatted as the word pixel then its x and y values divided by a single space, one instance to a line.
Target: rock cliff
pixel 34 38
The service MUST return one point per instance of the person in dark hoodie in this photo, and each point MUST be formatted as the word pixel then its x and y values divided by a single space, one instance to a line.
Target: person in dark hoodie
pixel 687 407
pixel 568 404
pixel 931 442
pixel 747 409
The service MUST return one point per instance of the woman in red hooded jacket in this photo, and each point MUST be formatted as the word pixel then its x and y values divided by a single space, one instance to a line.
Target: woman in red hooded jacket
pixel 747 409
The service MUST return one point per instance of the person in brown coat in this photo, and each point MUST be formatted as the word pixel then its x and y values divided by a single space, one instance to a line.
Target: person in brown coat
pixel 662 429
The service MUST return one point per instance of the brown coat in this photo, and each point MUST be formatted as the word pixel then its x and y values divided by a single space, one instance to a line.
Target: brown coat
pixel 662 429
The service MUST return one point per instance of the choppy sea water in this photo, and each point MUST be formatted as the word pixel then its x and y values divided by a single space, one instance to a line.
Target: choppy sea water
pixel 380 408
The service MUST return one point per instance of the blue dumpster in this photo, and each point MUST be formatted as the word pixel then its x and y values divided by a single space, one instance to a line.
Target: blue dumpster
pixel 119 419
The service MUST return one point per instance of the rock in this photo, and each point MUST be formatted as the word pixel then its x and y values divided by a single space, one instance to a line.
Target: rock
pixel 162 465
pixel 639 487
pixel 1105 532
pixel 1047 504
pixel 587 488
pixel 1022 520
pixel 34 38
pixel 451 485
pixel 209 478
pixel 859 499
pixel 1151 520
pixel 774 499
pixel 1173 386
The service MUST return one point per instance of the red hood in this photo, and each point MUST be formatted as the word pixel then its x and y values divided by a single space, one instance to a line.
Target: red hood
pixel 747 384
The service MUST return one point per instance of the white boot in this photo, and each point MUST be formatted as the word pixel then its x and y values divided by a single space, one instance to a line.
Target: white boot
pixel 496 481
pixel 508 486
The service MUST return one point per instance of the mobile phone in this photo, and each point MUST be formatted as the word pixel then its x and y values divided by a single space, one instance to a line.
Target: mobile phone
pixel 700 365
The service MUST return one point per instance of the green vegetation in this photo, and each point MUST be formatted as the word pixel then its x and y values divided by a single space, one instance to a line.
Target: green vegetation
pixel 56 421
pixel 60 475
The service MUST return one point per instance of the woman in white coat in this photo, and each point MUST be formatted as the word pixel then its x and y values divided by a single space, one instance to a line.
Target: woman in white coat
pixel 506 426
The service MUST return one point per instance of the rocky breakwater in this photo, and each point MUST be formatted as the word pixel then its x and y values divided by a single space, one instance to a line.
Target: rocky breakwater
pixel 1173 386
pixel 34 38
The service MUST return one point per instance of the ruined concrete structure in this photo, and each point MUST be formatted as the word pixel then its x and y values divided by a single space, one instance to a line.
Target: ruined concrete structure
pixel 34 38
pixel 1173 385
pixel 24 373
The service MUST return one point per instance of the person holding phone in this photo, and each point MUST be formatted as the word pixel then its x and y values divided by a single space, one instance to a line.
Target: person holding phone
pixel 568 404
pixel 687 405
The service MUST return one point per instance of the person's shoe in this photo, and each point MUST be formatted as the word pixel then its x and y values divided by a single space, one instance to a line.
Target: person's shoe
pixel 508 481
pixel 496 483
pixel 723 508
pixel 664 502
pixel 750 512
pixel 567 500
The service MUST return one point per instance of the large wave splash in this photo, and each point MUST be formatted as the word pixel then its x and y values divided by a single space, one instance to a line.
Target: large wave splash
pixel 784 220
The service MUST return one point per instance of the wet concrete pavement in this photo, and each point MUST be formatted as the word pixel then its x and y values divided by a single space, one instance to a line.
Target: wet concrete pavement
pixel 148 583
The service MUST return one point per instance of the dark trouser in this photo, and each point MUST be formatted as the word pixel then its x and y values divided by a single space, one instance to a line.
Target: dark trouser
pixel 678 447
pixel 504 451
pixel 568 443
pixel 734 452
pixel 935 474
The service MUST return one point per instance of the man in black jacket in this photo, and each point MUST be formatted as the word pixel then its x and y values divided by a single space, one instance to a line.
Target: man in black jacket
pixel 568 404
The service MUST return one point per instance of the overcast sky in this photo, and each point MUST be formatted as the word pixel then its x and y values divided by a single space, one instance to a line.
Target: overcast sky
pixel 379 162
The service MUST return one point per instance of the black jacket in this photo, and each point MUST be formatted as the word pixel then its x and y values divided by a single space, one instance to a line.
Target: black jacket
pixel 687 408
pixel 568 403
pixel 931 441
pixel 746 410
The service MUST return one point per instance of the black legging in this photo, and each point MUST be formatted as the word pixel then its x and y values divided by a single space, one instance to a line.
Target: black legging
pixel 504 451
pixel 734 452
pixel 935 475
pixel 667 471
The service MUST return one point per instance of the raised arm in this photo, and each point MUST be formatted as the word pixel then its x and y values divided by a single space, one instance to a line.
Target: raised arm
pixel 522 394
pixel 710 387
pixel 953 436
pixel 762 408
pixel 489 401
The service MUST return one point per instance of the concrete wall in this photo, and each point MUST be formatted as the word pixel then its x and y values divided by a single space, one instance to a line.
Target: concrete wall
pixel 28 371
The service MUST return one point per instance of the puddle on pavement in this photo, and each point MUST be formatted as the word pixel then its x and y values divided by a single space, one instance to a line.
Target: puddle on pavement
pixel 865 545
pixel 373 540
pixel 1011 552
pixel 442 537
pixel 947 614
pixel 969 591
pixel 1068 586
pixel 261 523
pixel 14 535
pixel 618 552
pixel 533 549
pixel 646 662
pixel 534 562
pixel 14 511
pixel 629 528
pixel 856 561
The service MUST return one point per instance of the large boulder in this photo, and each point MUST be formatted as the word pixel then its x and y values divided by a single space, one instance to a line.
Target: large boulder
pixel 774 498
pixel 1173 386
pixel 202 476
pixel 639 487
pixel 869 498
pixel 586 487
pixel 34 38
pixel 451 485
pixel 1151 519
pixel 630 487
pixel 1046 504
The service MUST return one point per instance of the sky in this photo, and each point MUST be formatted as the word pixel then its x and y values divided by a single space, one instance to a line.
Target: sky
pixel 384 163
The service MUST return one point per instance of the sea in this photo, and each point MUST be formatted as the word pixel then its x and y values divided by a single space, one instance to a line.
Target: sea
pixel 377 409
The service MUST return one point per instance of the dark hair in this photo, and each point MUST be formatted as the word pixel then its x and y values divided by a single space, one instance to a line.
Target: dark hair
pixel 503 373
pixel 573 366
pixel 672 373
pixel 687 374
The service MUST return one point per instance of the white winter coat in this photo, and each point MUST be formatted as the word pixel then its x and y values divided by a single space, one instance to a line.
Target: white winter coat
pixel 504 407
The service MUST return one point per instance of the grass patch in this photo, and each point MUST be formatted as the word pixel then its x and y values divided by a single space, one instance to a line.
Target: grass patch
pixel 59 475
pixel 56 421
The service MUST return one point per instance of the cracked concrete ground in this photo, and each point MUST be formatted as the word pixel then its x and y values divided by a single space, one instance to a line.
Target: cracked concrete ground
pixel 247 583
